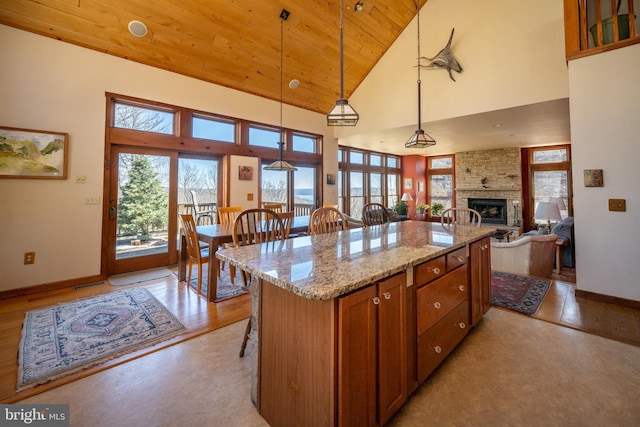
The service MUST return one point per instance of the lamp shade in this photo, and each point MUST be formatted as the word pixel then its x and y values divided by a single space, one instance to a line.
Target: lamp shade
pixel 406 197
pixel 548 211
pixel 560 202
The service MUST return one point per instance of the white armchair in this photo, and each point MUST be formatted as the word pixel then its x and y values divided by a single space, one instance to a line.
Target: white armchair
pixel 528 255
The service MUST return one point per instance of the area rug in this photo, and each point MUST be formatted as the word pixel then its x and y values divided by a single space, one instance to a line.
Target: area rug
pixel 66 338
pixel 518 293
pixel 225 289
pixel 138 276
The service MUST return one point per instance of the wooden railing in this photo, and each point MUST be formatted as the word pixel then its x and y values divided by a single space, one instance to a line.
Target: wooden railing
pixel 595 26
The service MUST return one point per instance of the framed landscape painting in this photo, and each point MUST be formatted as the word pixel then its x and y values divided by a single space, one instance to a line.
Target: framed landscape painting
pixel 26 153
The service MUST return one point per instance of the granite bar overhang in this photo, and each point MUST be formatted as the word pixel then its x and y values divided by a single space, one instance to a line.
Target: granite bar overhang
pixel 329 265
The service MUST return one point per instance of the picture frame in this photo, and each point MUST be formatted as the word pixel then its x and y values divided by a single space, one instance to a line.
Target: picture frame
pixel 245 173
pixel 593 178
pixel 331 179
pixel 33 154
pixel 408 183
pixel 421 186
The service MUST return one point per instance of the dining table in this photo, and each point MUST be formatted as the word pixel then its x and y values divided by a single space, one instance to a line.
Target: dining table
pixel 216 235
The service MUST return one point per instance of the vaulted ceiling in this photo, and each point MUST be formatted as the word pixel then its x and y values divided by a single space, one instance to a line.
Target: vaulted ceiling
pixel 237 44
pixel 233 43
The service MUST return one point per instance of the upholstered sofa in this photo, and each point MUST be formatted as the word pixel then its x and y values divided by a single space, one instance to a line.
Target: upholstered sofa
pixel 528 255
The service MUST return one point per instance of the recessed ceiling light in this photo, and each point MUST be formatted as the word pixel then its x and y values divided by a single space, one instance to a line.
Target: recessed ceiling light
pixel 497 125
pixel 293 84
pixel 359 6
pixel 137 28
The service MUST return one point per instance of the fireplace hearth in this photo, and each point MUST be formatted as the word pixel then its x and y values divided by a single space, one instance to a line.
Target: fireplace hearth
pixel 492 211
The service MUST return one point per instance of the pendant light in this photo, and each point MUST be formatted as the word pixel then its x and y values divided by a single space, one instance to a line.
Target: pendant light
pixel 342 113
pixel 420 139
pixel 281 164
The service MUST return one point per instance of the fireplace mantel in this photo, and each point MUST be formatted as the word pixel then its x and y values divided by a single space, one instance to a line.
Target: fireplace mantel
pixel 461 189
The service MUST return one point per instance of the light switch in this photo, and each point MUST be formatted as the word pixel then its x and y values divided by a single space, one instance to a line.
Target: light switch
pixel 618 205
pixel 81 179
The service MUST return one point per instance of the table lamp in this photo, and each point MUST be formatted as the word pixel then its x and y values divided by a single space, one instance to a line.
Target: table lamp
pixel 406 197
pixel 548 211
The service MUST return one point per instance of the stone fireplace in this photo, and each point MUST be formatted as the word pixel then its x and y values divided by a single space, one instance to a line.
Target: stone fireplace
pixel 492 211
pixel 493 175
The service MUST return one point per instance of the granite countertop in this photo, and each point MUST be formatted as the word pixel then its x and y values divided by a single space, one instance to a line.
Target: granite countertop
pixel 329 265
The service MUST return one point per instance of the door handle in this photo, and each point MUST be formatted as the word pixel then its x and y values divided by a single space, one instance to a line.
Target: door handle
pixel 112 213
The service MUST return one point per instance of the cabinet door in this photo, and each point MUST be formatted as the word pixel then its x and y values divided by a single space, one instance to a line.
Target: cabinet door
pixel 392 345
pixel 480 259
pixel 357 361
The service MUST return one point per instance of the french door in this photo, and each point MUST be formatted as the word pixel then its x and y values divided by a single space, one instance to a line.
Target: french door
pixel 142 209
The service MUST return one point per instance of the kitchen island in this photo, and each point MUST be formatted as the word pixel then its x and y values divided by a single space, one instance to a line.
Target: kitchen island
pixel 348 324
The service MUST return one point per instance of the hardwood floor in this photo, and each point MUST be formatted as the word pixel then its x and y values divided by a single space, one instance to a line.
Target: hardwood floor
pixel 560 307
pixel 192 310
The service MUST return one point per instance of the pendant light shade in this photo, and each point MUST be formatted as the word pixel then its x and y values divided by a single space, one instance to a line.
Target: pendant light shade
pixel 281 164
pixel 342 114
pixel 420 139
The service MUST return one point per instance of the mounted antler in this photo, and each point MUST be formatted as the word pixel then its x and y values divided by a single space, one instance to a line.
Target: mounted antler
pixel 443 60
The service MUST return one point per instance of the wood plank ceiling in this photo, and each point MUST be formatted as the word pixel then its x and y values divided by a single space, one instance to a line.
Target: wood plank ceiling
pixel 233 43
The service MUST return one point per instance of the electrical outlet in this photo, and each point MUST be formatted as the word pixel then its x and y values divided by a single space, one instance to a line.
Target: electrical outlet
pixel 618 205
pixel 29 258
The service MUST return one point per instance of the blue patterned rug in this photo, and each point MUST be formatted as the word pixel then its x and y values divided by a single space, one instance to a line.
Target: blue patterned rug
pixel 518 293
pixel 66 338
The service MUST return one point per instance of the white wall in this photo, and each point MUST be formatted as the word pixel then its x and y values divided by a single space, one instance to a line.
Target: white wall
pixel 605 133
pixel 512 54
pixel 54 86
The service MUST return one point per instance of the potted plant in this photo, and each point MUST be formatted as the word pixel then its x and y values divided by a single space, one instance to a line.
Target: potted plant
pixel 401 208
pixel 420 209
pixel 436 209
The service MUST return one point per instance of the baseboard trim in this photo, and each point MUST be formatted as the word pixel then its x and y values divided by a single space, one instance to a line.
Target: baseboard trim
pixel 12 293
pixel 608 299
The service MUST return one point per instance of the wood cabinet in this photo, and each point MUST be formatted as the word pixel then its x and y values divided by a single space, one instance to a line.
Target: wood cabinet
pixel 372 353
pixel 354 359
pixel 480 278
pixel 442 310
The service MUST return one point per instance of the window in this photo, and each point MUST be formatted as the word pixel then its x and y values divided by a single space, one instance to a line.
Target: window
pixel 305 144
pixel 304 189
pixel 366 177
pixel 550 172
pixel 440 181
pixel 215 129
pixel 263 137
pixel 275 187
pixel 146 119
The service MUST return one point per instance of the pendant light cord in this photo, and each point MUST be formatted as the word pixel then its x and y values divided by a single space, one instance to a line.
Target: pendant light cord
pixel 419 81
pixel 341 59
pixel 281 143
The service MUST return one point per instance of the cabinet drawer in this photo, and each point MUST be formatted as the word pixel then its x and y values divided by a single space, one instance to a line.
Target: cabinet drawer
pixel 456 258
pixel 438 298
pixel 430 270
pixel 435 345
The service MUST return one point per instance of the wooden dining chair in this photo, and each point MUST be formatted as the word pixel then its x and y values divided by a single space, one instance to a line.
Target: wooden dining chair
pixel 226 215
pixel 326 220
pixel 374 214
pixel 195 253
pixel 461 216
pixel 276 207
pixel 287 220
pixel 200 213
pixel 254 226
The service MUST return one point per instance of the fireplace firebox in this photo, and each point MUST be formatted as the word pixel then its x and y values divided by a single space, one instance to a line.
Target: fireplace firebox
pixel 492 211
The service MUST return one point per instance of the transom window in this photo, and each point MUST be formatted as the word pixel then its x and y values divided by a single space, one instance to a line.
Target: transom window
pixel 264 137
pixel 146 119
pixel 215 129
